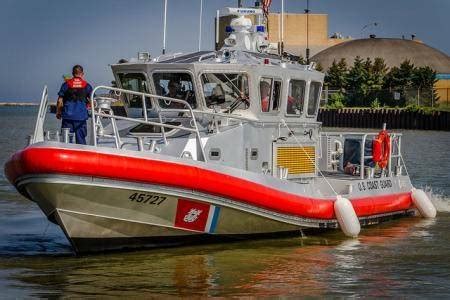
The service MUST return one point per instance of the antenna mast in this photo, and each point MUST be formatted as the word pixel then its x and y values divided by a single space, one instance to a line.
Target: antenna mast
pixel 217 29
pixel 200 27
pixel 282 28
pixel 164 29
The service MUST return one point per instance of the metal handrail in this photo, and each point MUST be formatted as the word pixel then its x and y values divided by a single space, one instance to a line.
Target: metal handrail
pixel 203 56
pixel 168 56
pixel 38 135
pixel 364 136
pixel 155 102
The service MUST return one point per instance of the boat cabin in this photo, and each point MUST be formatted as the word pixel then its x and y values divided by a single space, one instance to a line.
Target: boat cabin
pixel 260 87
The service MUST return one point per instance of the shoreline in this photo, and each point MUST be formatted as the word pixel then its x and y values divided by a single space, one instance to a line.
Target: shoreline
pixel 19 104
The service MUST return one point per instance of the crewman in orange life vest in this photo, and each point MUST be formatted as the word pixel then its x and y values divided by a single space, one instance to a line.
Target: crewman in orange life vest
pixel 71 106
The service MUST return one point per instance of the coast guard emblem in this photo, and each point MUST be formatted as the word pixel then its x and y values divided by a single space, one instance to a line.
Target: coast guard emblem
pixel 196 216
pixel 192 215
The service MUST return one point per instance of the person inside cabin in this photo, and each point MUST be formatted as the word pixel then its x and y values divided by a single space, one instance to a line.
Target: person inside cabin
pixel 295 99
pixel 71 108
pixel 175 91
pixel 264 87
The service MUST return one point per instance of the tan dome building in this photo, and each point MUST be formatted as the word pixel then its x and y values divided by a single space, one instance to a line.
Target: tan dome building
pixel 394 52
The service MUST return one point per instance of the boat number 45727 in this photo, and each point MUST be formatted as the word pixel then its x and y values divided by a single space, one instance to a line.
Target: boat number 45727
pixel 147 198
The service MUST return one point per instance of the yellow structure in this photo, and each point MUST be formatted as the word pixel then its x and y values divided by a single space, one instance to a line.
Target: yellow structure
pixel 442 87
pixel 296 27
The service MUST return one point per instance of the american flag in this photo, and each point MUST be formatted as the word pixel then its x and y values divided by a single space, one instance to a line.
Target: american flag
pixel 265 7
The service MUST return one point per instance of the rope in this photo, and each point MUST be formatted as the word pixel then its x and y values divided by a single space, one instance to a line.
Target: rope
pixel 309 157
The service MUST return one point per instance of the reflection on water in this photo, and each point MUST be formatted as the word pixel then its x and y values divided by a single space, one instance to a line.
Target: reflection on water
pixel 376 264
pixel 402 258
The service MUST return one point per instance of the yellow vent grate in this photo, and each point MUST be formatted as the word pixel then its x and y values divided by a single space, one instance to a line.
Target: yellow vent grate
pixel 298 160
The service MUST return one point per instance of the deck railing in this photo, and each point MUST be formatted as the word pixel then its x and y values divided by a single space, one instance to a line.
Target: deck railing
pixel 38 134
pixel 98 111
pixel 396 137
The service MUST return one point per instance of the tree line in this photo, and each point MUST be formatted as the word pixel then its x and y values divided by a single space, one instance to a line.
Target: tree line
pixel 372 84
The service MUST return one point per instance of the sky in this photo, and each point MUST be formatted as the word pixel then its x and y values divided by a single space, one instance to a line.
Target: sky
pixel 40 40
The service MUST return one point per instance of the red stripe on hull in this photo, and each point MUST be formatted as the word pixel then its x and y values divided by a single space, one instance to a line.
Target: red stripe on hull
pixel 36 160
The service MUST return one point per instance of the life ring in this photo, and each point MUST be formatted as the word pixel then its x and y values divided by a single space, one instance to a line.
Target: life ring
pixel 381 147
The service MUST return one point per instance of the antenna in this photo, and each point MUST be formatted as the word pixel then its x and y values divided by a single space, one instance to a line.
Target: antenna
pixel 307 31
pixel 375 24
pixel 217 28
pixel 282 28
pixel 279 34
pixel 200 27
pixel 164 29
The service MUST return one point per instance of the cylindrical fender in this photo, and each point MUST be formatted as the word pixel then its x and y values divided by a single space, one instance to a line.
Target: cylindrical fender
pixel 423 203
pixel 346 216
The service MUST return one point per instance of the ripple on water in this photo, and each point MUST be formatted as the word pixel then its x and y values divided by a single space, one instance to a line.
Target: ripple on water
pixel 402 258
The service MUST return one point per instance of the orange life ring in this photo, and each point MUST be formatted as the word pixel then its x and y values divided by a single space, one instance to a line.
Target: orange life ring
pixel 381 147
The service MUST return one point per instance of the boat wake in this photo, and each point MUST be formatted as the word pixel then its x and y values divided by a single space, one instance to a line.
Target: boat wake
pixel 440 201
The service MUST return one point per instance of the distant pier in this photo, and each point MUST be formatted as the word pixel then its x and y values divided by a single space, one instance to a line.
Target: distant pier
pixel 394 118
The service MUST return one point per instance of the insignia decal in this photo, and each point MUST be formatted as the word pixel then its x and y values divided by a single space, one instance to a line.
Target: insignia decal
pixel 196 216
pixel 192 215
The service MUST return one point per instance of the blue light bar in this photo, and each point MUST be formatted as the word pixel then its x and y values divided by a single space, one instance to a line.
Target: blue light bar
pixel 228 29
pixel 260 28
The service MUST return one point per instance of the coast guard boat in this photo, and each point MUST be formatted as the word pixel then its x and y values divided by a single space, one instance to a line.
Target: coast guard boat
pixel 212 145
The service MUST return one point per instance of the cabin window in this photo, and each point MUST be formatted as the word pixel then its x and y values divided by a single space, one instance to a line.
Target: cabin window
pixel 225 90
pixel 270 93
pixel 296 97
pixel 175 85
pixel 136 82
pixel 313 99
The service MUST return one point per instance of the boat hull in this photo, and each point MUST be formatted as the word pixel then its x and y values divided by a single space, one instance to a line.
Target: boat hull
pixel 111 215
pixel 108 201
pixel 104 215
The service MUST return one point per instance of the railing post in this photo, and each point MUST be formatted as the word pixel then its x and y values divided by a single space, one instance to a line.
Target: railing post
pixel 38 135
pixel 140 143
pixel 94 125
pixel 144 107
pixel 65 134
pixel 363 147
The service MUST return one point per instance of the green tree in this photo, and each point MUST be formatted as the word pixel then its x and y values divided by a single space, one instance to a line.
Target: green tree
pixel 336 77
pixel 401 77
pixel 401 80
pixel 373 87
pixel 378 72
pixel 424 79
pixel 357 83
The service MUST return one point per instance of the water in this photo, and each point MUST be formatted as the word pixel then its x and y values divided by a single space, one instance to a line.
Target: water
pixel 403 258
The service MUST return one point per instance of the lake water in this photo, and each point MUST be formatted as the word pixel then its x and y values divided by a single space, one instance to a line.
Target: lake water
pixel 403 258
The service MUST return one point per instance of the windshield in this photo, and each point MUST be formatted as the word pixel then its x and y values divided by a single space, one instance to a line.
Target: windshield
pixel 296 97
pixel 135 82
pixel 175 85
pixel 313 99
pixel 225 90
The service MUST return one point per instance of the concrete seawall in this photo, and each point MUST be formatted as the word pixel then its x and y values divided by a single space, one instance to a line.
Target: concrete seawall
pixel 394 118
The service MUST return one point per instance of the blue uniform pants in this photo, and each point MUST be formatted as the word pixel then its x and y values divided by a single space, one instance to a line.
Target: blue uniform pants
pixel 77 127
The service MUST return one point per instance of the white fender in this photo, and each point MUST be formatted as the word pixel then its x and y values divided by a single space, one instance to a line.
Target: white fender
pixel 423 203
pixel 346 216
